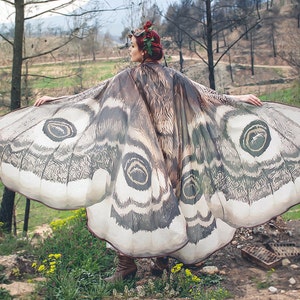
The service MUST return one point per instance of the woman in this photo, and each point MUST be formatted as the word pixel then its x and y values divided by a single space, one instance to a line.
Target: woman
pixel 164 165
pixel 146 48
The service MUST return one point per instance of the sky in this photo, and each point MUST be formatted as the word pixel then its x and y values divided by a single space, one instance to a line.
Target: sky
pixel 112 22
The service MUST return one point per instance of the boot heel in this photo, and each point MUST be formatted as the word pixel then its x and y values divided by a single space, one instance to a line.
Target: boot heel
pixel 126 269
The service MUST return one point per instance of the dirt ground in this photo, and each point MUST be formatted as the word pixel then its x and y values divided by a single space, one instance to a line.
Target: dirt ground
pixel 246 279
pixel 250 279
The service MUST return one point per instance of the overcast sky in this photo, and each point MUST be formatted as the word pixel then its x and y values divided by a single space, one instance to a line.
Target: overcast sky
pixel 114 21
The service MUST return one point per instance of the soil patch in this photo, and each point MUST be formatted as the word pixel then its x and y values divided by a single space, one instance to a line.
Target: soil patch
pixel 244 278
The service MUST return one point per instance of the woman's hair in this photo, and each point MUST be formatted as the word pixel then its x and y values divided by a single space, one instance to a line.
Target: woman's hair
pixel 148 40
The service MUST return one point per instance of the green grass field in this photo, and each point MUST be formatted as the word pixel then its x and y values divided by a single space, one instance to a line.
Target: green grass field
pixel 288 96
pixel 70 74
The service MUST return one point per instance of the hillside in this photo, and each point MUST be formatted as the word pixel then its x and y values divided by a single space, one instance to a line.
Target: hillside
pixel 276 37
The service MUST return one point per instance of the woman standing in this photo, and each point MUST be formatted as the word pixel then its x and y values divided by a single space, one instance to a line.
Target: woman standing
pixel 163 165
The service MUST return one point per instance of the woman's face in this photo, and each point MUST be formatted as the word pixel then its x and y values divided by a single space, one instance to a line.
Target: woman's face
pixel 135 53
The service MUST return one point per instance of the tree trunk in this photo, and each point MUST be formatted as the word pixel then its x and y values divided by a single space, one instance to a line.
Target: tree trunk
pixel 26 217
pixel 17 56
pixel 181 60
pixel 252 53
pixel 273 41
pixel 7 205
pixel 230 67
pixel 6 210
pixel 210 54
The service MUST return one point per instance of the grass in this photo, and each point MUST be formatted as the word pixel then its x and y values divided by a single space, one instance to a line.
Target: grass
pixel 62 78
pixel 69 73
pixel 288 96
pixel 75 263
pixel 39 213
pixel 292 214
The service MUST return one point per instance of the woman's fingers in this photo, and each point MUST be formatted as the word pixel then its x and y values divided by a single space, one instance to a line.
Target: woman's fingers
pixel 42 100
pixel 252 99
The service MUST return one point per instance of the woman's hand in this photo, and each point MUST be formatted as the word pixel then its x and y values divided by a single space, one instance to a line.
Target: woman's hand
pixel 249 98
pixel 43 100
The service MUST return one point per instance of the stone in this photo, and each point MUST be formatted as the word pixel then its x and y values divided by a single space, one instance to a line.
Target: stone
pixel 273 289
pixel 294 266
pixel 18 288
pixel 210 270
pixel 292 281
pixel 285 262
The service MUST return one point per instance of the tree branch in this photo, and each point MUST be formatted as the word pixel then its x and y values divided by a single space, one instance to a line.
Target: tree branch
pixel 79 14
pixel 6 39
pixel 9 2
pixel 49 77
pixel 49 51
pixel 240 37
pixel 184 31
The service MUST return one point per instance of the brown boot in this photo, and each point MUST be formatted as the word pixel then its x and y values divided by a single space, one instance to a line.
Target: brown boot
pixel 159 265
pixel 126 269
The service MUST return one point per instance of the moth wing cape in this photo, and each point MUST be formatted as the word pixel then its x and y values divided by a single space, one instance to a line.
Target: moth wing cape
pixel 163 165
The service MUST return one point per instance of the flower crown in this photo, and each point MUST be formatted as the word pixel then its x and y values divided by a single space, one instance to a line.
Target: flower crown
pixel 148 35
pixel 148 39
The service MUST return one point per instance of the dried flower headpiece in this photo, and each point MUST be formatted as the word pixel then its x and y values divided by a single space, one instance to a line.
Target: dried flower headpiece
pixel 148 39
pixel 148 35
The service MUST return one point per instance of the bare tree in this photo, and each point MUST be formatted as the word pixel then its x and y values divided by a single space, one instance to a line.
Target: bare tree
pixel 179 23
pixel 209 19
pixel 297 11
pixel 7 204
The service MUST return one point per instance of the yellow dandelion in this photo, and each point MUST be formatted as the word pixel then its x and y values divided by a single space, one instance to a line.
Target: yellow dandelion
pixel 188 273
pixel 41 268
pixel 196 279
pixel 176 268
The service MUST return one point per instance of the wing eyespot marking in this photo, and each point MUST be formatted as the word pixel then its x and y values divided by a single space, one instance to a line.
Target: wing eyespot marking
pixel 59 129
pixel 137 171
pixel 255 138
pixel 191 188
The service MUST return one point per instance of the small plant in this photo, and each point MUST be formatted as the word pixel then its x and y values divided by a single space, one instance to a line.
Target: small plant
pixel 16 273
pixel 3 278
pixel 1 229
pixel 4 294
pixel 72 260
pixel 49 265
pixel 180 282
pixel 267 281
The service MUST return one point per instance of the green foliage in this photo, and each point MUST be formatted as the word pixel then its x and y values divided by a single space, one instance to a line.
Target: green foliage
pixel 3 278
pixel 75 263
pixel 4 294
pixel 266 282
pixel 180 283
pixel 287 96
pixel 10 244
pixel 292 214
pixel 91 73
